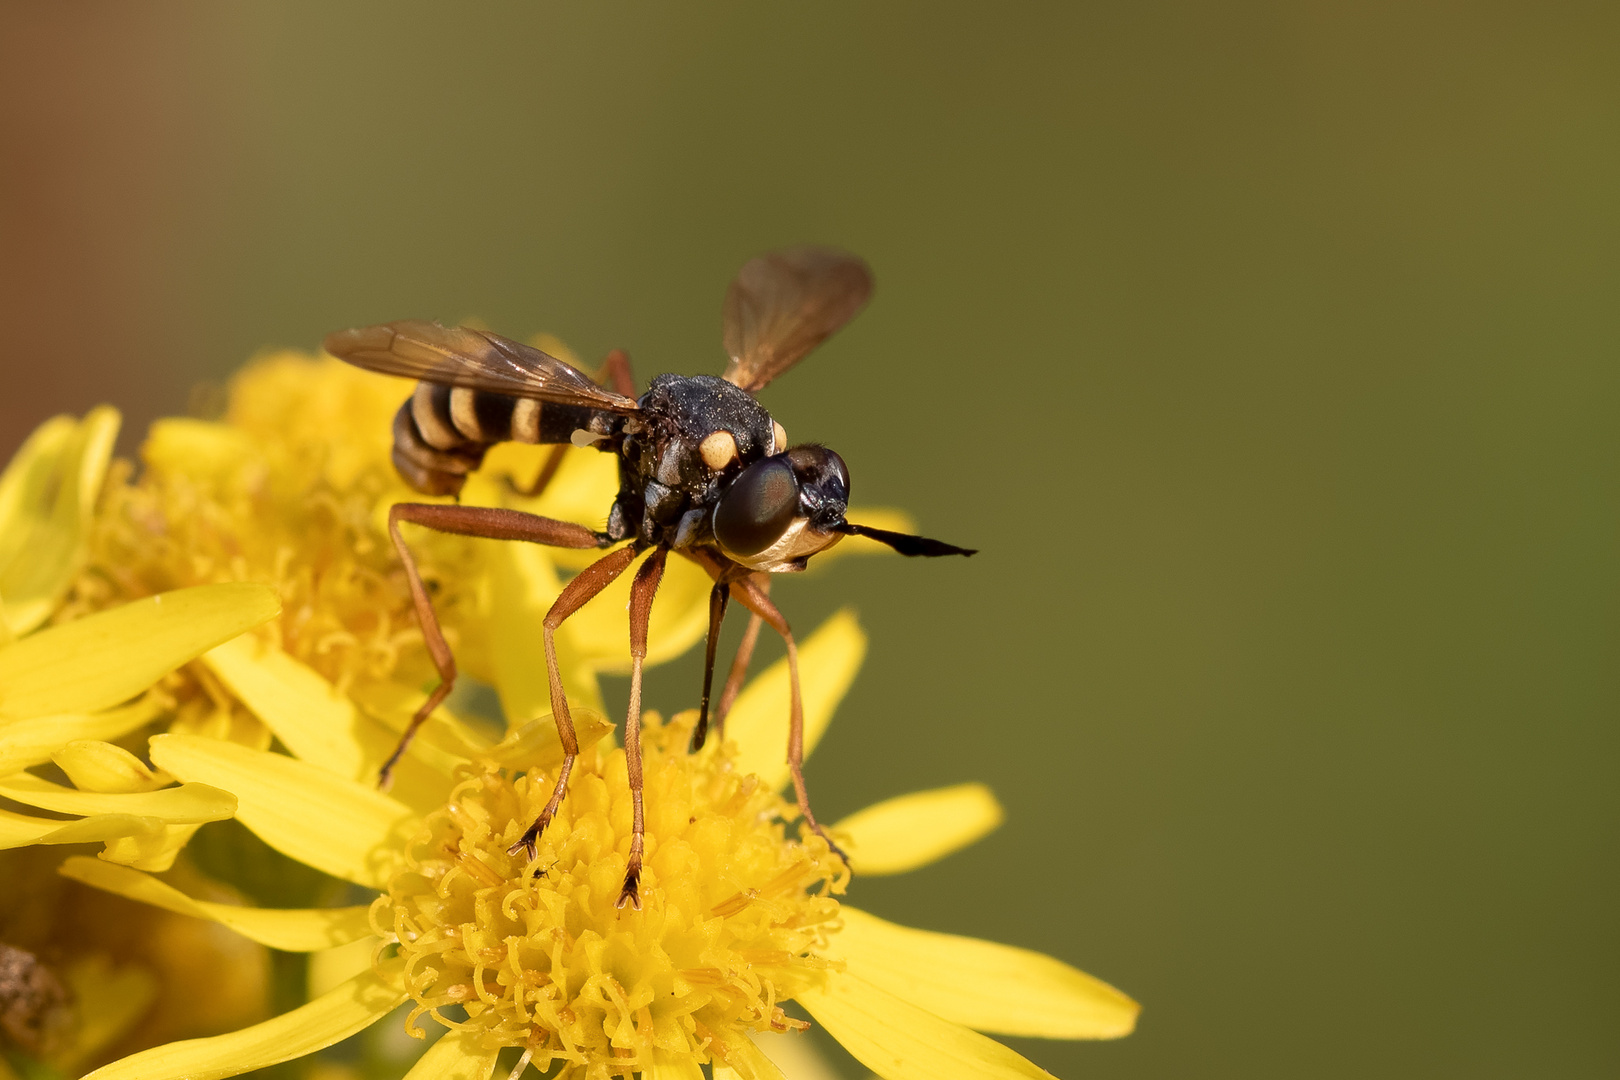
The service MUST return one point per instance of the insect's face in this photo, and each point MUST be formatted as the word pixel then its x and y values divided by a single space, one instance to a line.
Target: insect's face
pixel 782 509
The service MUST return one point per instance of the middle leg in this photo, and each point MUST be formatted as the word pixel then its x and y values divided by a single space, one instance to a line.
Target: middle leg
pixel 642 591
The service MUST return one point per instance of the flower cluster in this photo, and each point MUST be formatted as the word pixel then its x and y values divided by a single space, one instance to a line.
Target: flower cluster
pixel 228 635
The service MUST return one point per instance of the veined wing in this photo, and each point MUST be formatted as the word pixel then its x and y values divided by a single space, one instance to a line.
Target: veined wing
pixel 785 303
pixel 475 359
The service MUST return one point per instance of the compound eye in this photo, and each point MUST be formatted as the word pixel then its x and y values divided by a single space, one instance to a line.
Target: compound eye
pixel 757 508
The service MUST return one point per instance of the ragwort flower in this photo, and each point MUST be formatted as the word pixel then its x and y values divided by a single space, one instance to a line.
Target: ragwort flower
pixel 78 969
pixel 739 916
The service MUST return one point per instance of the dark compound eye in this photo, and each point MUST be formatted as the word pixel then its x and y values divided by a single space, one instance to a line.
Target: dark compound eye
pixel 757 508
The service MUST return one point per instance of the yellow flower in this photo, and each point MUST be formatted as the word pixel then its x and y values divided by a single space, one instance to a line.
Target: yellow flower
pixel 291 490
pixel 96 965
pixel 739 916
pixel 68 688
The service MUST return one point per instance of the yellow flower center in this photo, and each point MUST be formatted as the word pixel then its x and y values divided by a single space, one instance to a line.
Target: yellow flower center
pixel 290 490
pixel 539 955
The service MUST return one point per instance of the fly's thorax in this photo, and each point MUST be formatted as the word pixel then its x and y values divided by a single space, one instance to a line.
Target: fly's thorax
pixel 698 432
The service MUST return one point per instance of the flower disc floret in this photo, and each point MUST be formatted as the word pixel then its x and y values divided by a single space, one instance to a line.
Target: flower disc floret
pixel 538 953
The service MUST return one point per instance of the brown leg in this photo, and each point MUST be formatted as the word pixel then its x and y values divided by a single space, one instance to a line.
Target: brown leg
pixel 754 598
pixel 486 522
pixel 586 584
pixel 642 591
pixel 724 571
pixel 615 374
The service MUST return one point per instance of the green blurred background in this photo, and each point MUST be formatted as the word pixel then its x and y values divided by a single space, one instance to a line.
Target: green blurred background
pixel 1267 351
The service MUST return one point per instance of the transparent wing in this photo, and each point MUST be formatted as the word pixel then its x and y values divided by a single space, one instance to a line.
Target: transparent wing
pixel 785 303
pixel 476 359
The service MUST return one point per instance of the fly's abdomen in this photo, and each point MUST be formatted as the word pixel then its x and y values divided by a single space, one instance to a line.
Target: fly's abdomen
pixel 442 432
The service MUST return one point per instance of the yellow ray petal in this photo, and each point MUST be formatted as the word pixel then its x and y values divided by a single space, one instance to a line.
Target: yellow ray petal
pixel 30 742
pixel 183 805
pixel 324 1021
pixel 393 705
pixel 319 724
pixel 456 1056
pixel 154 851
pixel 342 827
pixel 680 617
pixel 20 830
pixel 94 765
pixel 758 724
pixel 982 984
pixel 909 831
pixel 536 745
pixel 900 1041
pixel 306 712
pixel 582 490
pixel 109 657
pixel 524 585
pixel 339 964
pixel 754 1063
pixel 49 524
pixel 291 930
pixel 27 482
pixel 668 1066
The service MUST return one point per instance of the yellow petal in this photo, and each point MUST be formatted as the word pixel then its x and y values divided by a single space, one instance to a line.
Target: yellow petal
pixel 319 724
pixel 51 525
pixel 582 490
pixel 758 724
pixel 94 765
pixel 288 929
pixel 30 742
pixel 451 740
pixel 183 805
pixel 900 1041
pixel 306 712
pixel 536 744
pixel 770 1056
pixel 524 585
pixel 456 1056
pixel 680 618
pixel 668 1066
pixel 20 830
pixel 109 657
pixel 154 850
pixel 340 963
pixel 345 828
pixel 326 1020
pixel 29 483
pixel 909 831
pixel 982 984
